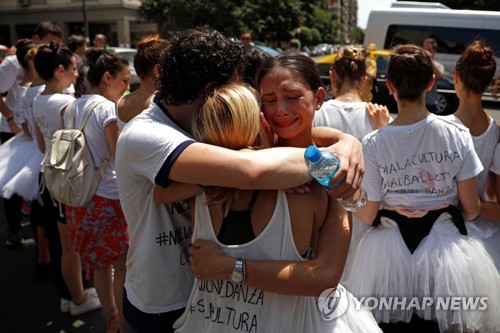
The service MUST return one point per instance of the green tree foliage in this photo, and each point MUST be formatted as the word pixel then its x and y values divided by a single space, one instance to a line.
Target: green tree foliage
pixel 273 21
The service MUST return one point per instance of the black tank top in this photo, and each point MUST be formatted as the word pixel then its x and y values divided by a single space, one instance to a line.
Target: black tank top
pixel 236 227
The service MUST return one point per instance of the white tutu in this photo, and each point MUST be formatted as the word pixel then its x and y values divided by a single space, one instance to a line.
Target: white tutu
pixel 380 268
pixel 446 267
pixel 20 165
pixel 448 264
pixel 355 319
pixel 489 232
pixel 358 230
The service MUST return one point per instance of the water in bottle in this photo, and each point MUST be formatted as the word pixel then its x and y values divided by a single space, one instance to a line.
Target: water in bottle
pixel 322 165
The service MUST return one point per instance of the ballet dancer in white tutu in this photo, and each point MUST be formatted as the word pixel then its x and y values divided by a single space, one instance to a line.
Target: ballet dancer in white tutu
pixel 419 169
pixel 21 159
pixel 473 74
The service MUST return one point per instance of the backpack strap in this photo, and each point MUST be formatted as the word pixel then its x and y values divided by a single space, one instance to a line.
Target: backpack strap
pixel 70 112
pixel 88 111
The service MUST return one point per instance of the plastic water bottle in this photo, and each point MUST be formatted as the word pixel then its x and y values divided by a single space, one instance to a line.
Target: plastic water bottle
pixel 323 166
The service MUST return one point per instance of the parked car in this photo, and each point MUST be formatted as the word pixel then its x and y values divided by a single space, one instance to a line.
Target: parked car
pixel 447 102
pixel 129 54
pixel 263 47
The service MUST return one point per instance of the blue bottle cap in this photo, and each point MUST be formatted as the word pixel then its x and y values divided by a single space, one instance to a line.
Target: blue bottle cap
pixel 313 154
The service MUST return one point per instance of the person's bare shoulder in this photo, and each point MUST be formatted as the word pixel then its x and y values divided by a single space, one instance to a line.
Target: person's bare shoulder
pixel 133 104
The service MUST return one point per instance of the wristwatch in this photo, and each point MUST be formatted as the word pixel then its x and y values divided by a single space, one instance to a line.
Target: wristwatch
pixel 238 274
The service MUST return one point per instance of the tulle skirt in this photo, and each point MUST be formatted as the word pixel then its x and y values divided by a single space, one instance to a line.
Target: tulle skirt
pixel 381 268
pixel 489 232
pixel 355 319
pixel 358 230
pixel 20 165
pixel 450 278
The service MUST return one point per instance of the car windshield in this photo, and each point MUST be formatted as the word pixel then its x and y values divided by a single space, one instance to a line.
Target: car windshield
pixel 270 51
pixel 129 56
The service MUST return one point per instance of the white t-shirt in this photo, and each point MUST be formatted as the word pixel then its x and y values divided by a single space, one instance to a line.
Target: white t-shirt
pixel 47 113
pixel 484 145
pixel 417 166
pixel 495 166
pixel 11 76
pixel 26 108
pixel 350 118
pixel 159 278
pixel 224 307
pixel 95 135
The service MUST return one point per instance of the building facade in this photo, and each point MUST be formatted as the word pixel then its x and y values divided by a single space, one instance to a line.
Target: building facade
pixel 118 20
pixel 347 15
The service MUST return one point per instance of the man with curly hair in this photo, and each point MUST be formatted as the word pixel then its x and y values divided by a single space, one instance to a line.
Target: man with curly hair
pixel 156 149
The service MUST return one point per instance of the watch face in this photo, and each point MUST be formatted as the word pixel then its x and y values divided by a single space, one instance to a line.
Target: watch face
pixel 237 277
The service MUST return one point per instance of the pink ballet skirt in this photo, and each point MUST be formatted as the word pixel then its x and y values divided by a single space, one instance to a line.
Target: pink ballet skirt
pixel 446 267
pixel 20 165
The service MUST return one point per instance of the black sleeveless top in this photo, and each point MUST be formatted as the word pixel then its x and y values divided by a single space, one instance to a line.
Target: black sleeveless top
pixel 236 227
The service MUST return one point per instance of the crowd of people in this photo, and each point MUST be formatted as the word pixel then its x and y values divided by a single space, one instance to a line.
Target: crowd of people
pixel 206 218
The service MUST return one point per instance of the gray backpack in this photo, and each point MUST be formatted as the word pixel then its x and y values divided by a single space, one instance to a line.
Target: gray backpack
pixel 69 172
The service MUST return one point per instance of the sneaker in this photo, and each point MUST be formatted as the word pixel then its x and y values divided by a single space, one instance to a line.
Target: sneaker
pixel 91 303
pixel 14 239
pixel 65 305
pixel 25 221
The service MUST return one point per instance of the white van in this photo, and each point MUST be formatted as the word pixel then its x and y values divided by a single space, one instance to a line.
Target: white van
pixel 452 29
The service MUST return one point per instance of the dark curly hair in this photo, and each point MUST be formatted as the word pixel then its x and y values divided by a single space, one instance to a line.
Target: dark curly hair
pixel 476 67
pixel 410 71
pixel 195 58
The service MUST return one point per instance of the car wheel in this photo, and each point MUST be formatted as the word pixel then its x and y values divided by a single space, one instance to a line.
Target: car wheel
pixel 442 104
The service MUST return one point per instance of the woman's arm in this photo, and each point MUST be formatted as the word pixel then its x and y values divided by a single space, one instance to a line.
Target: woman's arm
pixel 26 130
pixel 112 133
pixel 491 210
pixel 175 192
pixel 368 213
pixel 274 168
pixel 302 278
pixel 468 197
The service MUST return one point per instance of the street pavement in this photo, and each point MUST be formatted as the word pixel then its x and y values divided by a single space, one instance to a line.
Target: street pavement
pixel 30 305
